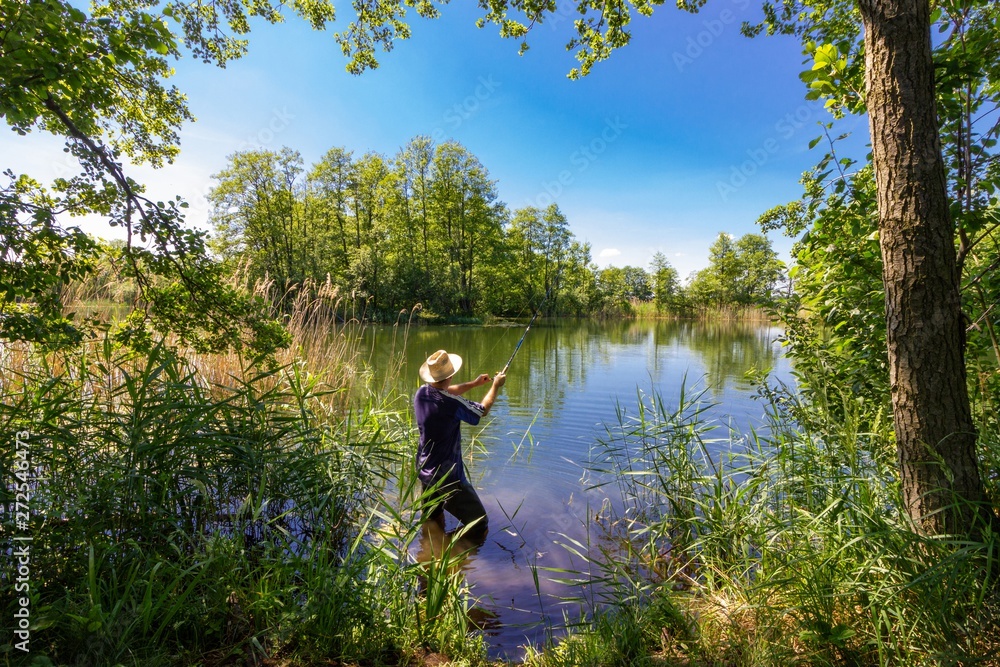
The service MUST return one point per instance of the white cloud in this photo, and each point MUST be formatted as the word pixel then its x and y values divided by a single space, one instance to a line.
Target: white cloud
pixel 610 252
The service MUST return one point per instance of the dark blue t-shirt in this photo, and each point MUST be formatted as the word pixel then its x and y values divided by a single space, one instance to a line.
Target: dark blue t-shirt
pixel 439 416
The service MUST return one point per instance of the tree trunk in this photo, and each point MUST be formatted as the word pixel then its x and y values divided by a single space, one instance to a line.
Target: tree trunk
pixel 935 436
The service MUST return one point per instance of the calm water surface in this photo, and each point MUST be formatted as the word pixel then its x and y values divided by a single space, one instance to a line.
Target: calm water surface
pixel 528 458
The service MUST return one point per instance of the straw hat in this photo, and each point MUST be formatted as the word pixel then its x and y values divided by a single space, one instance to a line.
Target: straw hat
pixel 440 366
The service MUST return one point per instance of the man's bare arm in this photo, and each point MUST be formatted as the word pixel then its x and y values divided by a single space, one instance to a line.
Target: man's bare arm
pixel 491 395
pixel 459 389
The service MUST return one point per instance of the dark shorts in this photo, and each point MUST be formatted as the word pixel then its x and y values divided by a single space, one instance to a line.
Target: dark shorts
pixel 461 501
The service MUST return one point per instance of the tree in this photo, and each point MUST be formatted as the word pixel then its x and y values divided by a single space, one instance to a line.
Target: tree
pixel 464 200
pixel 371 192
pixel 759 270
pixel 555 253
pixel 935 436
pixel 613 291
pixel 925 332
pixel 715 285
pixel 637 283
pixel 331 181
pixel 835 319
pixel 413 164
pixel 364 224
pixel 537 262
pixel 618 287
pixel 258 216
pixel 666 284
pixel 526 237
pixel 579 292
pixel 740 272
pixel 98 82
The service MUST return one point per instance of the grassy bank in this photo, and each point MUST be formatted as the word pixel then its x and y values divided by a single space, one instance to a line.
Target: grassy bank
pixel 647 310
pixel 792 549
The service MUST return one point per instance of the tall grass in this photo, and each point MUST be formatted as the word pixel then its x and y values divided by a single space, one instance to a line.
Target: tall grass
pixel 324 326
pixel 781 547
pixel 732 312
pixel 648 310
pixel 159 498
pixel 325 337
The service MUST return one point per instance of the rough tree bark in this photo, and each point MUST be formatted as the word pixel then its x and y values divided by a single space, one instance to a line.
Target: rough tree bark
pixel 935 436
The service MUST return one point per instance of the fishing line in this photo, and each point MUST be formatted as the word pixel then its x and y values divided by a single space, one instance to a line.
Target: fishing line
pixel 525 334
pixel 506 329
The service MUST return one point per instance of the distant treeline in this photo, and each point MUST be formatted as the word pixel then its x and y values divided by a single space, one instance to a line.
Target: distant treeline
pixel 427 226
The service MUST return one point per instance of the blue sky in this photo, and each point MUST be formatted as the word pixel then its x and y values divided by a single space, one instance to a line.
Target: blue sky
pixel 689 131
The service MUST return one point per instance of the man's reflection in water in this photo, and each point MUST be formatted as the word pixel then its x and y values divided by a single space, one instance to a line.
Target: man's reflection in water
pixel 449 553
pixel 457 545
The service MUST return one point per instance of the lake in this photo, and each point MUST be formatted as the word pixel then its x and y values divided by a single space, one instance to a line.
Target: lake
pixel 528 458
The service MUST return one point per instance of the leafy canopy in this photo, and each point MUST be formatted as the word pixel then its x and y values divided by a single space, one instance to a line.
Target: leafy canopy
pixel 99 81
pixel 600 26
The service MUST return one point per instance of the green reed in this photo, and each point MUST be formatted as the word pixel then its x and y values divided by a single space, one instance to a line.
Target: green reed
pixel 784 546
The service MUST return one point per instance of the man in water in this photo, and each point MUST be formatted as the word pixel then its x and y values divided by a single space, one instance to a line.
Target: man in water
pixel 440 409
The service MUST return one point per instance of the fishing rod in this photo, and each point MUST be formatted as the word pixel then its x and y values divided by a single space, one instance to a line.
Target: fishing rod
pixel 530 322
